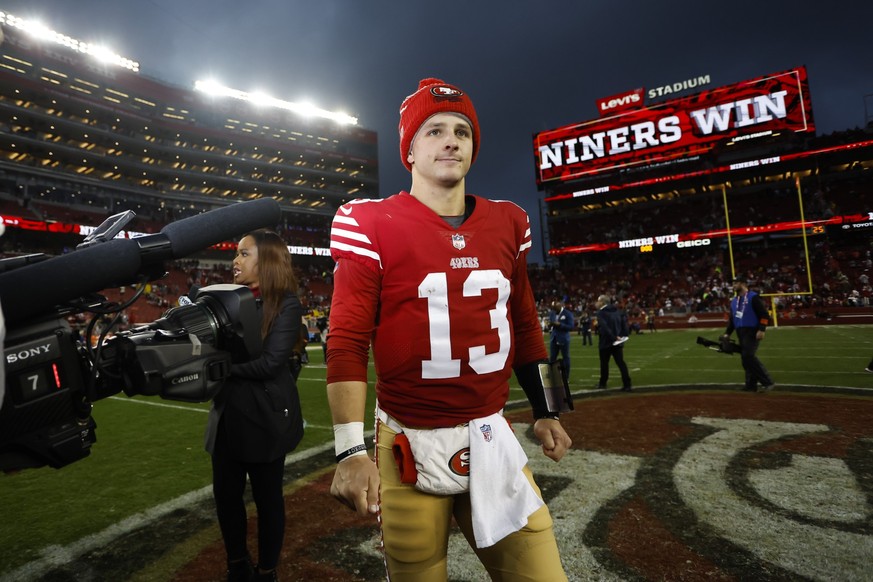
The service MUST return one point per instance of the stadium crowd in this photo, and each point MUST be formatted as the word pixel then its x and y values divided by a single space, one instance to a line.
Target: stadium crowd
pixel 668 282
pixel 671 285
pixel 679 285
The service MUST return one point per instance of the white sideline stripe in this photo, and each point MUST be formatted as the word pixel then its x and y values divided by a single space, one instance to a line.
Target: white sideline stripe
pixel 159 404
pixel 54 555
pixel 192 409
pixel 713 370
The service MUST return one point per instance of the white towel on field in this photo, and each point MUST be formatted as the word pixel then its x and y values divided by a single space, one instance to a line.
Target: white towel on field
pixel 501 497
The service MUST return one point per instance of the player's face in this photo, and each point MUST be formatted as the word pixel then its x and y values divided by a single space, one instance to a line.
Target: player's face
pixel 245 264
pixel 442 150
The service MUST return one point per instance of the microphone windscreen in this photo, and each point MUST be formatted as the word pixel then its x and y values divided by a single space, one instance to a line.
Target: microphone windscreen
pixel 37 288
pixel 200 232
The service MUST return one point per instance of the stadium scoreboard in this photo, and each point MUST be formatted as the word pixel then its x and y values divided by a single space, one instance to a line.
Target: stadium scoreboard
pixel 678 128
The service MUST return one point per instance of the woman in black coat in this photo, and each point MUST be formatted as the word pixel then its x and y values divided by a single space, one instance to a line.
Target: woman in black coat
pixel 255 420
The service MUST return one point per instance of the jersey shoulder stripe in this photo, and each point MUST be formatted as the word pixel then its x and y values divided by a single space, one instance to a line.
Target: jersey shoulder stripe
pixel 349 234
pixel 518 215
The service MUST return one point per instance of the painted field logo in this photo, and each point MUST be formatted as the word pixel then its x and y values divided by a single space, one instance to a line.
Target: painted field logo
pixel 690 484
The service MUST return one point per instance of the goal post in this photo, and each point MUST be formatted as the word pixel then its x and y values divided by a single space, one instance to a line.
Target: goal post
pixel 809 289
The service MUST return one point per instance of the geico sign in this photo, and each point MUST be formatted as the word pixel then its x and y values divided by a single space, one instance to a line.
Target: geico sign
pixel 684 244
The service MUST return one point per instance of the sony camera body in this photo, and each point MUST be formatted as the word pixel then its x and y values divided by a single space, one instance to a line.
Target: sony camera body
pixel 53 374
pixel 52 378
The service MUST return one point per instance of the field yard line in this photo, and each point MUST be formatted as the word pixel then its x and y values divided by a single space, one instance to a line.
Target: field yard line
pixel 841 331
pixel 53 556
pixel 804 356
pixel 189 408
pixel 635 363
pixel 658 356
pixel 159 404
pixel 772 369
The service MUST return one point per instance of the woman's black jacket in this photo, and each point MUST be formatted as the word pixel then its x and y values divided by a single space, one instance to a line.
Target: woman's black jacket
pixel 258 408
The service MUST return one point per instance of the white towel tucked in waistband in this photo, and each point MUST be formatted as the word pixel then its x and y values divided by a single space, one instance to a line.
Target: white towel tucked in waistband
pixel 501 497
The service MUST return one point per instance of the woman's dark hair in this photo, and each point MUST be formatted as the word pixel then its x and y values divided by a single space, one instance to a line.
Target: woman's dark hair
pixel 275 274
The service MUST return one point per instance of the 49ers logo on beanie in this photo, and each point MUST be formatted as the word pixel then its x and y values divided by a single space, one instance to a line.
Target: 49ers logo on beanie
pixel 446 91
pixel 433 96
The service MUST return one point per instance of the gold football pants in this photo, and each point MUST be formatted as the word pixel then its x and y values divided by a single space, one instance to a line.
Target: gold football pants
pixel 415 531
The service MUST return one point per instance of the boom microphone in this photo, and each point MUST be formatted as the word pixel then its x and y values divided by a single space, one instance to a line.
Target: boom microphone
pixel 31 290
pixel 37 288
pixel 204 230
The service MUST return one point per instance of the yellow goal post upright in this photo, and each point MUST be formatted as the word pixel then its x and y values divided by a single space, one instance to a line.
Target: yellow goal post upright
pixel 727 220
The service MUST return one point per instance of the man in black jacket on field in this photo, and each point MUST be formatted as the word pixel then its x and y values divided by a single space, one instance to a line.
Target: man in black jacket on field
pixel 613 332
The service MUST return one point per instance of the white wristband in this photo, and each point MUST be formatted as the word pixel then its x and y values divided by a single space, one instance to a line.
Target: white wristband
pixel 348 440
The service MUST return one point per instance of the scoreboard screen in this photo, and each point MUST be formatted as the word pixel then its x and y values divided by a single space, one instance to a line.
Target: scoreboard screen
pixel 683 127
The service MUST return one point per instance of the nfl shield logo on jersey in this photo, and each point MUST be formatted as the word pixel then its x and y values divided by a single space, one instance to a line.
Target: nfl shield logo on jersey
pixel 458 241
pixel 486 432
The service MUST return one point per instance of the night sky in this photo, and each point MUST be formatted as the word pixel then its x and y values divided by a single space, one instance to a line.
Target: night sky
pixel 529 65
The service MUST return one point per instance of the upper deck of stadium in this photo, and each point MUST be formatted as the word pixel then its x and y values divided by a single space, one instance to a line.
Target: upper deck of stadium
pixel 73 126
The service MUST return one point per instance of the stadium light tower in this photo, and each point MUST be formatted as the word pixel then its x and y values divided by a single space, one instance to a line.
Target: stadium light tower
pixel 259 98
pixel 42 33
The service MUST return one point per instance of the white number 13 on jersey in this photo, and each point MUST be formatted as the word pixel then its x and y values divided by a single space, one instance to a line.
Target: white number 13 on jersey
pixel 435 289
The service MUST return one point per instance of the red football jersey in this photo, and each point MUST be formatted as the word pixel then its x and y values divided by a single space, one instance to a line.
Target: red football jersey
pixel 448 310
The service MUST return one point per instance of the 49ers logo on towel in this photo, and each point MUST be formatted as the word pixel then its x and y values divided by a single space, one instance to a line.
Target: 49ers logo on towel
pixel 460 463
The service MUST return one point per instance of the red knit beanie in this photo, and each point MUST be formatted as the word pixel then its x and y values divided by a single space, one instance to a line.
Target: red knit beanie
pixel 433 96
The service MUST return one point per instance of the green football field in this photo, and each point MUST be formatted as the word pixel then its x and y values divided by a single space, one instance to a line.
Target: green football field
pixel 149 451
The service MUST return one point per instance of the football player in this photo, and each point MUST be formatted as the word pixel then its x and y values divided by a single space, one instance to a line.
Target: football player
pixel 435 280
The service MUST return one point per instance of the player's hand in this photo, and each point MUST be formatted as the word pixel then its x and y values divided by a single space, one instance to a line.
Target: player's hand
pixel 553 437
pixel 356 484
pixel 759 336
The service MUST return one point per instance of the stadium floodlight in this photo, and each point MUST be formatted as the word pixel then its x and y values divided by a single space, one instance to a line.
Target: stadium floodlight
pixel 43 33
pixel 101 53
pixel 259 98
pixel 218 90
pixel 37 29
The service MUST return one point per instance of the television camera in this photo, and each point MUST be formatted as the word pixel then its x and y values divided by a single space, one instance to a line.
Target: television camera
pixel 53 373
pixel 724 345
